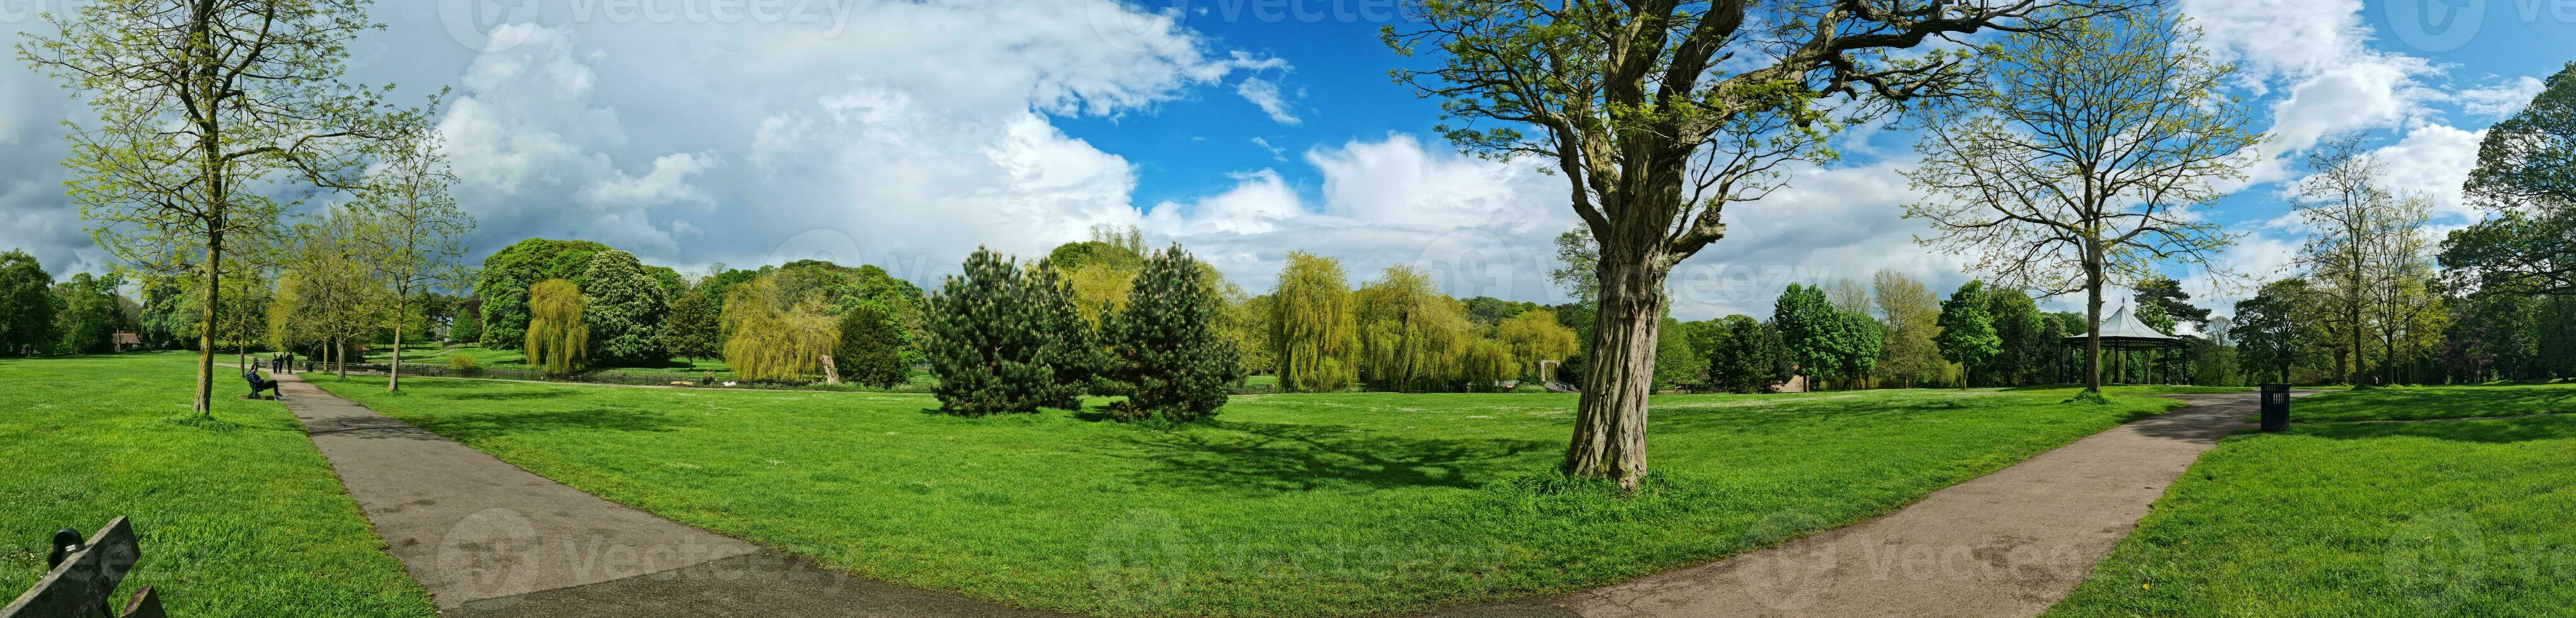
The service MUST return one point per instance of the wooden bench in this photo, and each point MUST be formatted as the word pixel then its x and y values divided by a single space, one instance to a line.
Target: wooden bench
pixel 83 576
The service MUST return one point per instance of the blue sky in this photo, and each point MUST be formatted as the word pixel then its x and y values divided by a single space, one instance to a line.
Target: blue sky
pixel 905 134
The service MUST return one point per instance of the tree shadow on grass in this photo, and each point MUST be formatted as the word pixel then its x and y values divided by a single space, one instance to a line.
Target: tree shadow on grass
pixel 2491 431
pixel 2423 403
pixel 1264 458
pixel 470 427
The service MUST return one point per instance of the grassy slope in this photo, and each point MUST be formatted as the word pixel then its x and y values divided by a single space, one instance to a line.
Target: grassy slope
pixel 1288 505
pixel 2442 518
pixel 2430 402
pixel 239 517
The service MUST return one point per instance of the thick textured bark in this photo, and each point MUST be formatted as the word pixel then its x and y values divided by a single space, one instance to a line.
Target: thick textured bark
pixel 1610 421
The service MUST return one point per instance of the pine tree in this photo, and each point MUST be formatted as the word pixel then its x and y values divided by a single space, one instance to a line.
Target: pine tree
pixel 1003 340
pixel 1169 357
pixel 624 308
pixel 871 350
pixel 693 329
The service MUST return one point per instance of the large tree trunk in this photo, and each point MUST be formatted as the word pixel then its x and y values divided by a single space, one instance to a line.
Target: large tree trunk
pixel 1610 421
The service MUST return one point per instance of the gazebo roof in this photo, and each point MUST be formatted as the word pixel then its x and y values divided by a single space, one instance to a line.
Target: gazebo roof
pixel 2123 328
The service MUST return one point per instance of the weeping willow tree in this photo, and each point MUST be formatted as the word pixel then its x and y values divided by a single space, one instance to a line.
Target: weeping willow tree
pixel 1312 329
pixel 557 340
pixel 1413 336
pixel 770 336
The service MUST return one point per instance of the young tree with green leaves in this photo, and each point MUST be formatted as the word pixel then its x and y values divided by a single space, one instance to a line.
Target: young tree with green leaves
pixel 1968 330
pixel 871 349
pixel 623 307
pixel 1535 336
pixel 1911 315
pixel 558 338
pixel 1660 114
pixel 1412 337
pixel 27 304
pixel 202 105
pixel 693 329
pixel 1746 356
pixel 2274 330
pixel 1313 330
pixel 1167 354
pixel 773 334
pixel 411 225
pixel 2086 159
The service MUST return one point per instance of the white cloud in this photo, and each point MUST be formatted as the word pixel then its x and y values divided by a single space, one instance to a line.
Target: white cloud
pixel 2434 161
pixel 1265 94
pixel 2501 100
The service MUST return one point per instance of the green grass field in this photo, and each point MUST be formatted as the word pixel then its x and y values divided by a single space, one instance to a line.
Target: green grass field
pixel 2432 402
pixel 2437 518
pixel 237 517
pixel 1286 505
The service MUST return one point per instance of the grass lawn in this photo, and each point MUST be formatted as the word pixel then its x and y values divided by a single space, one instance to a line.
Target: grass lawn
pixel 1304 505
pixel 237 517
pixel 2401 520
pixel 2430 402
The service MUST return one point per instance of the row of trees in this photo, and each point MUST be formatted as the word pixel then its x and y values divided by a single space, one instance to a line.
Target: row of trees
pixel 80 315
pixel 1399 332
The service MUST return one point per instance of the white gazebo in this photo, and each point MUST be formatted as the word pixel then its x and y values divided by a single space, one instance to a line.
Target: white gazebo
pixel 2123 334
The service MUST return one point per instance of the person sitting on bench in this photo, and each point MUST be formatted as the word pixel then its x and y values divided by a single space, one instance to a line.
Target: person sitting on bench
pixel 259 384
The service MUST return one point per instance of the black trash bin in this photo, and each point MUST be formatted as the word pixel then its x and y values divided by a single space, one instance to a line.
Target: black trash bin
pixel 2276 407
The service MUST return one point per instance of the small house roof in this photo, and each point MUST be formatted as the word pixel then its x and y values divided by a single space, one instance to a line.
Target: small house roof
pixel 128 339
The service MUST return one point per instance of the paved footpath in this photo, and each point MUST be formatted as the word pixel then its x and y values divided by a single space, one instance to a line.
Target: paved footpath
pixel 2008 544
pixel 491 540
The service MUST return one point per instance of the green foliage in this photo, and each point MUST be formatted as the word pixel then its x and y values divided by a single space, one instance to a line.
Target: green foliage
pixel 1007 340
pixel 693 328
pixel 509 273
pixel 1824 342
pixel 1487 311
pixel 87 317
pixel 623 307
pixel 468 327
pixel 773 336
pixel 2277 328
pixel 558 339
pixel 2170 302
pixel 1533 336
pixel 1168 355
pixel 2524 173
pixel 871 349
pixel 2026 347
pixel 27 305
pixel 1578 265
pixel 462 362
pixel 1746 356
pixel 1968 328
pixel 1314 331
pixel 1676 361
pixel 1412 337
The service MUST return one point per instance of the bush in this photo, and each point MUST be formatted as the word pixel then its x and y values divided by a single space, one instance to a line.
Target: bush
pixel 1169 357
pixel 462 362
